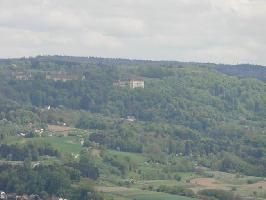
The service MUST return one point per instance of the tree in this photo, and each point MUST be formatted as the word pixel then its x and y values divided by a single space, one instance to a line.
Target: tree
pixel 87 166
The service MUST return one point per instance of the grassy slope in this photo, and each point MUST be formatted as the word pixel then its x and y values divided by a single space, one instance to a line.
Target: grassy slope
pixel 68 144
pixel 71 144
pixel 147 195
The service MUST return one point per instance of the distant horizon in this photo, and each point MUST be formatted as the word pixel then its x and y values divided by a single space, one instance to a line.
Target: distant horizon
pixel 204 31
pixel 134 59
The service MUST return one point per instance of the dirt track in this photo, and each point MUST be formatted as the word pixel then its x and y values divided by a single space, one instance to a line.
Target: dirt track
pixel 207 182
pixel 260 184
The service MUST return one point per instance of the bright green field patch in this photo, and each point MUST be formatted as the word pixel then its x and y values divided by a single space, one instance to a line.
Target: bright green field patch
pixel 67 144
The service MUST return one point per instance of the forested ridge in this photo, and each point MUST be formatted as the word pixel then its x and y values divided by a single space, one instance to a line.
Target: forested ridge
pixel 212 114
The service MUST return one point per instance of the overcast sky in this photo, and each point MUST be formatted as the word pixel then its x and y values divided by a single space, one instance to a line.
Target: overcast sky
pixel 220 31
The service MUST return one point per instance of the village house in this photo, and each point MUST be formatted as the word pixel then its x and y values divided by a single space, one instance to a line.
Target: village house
pixel 121 83
pixel 39 131
pixel 136 84
pixel 133 83
pixel 3 195
pixel 20 76
pixel 130 119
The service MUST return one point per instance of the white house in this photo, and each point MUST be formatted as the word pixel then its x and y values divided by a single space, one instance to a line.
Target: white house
pixel 133 83
pixel 136 84
pixel 3 195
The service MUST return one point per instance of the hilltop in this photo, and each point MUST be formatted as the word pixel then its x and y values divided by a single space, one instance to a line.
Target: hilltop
pixel 194 129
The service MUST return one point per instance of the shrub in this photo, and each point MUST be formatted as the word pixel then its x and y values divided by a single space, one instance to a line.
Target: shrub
pixel 176 190
pixel 178 178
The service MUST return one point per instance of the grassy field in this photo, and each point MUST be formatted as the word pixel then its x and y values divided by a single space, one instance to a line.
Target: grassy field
pixel 155 196
pixel 67 144
pixel 137 194
pixel 240 184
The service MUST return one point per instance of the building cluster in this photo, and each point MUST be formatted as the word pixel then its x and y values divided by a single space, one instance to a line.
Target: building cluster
pixel 133 83
pixel 22 76
pixel 63 76
pixel 14 196
pixel 51 75
pixel 32 131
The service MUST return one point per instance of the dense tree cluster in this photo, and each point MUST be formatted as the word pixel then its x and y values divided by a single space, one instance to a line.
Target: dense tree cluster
pixel 57 179
pixel 30 151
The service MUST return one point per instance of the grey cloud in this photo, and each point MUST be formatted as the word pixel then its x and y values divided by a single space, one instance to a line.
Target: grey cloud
pixel 230 31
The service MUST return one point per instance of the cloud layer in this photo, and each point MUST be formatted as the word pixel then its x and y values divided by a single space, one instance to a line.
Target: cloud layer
pixel 221 31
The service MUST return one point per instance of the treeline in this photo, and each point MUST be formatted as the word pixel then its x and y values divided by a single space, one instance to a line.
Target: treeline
pixel 203 97
pixel 62 179
pixel 230 149
pixel 244 71
pixel 32 151
pixel 45 181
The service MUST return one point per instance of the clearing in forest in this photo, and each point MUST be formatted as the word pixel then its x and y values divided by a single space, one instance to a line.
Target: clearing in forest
pixel 58 128
pixel 207 182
